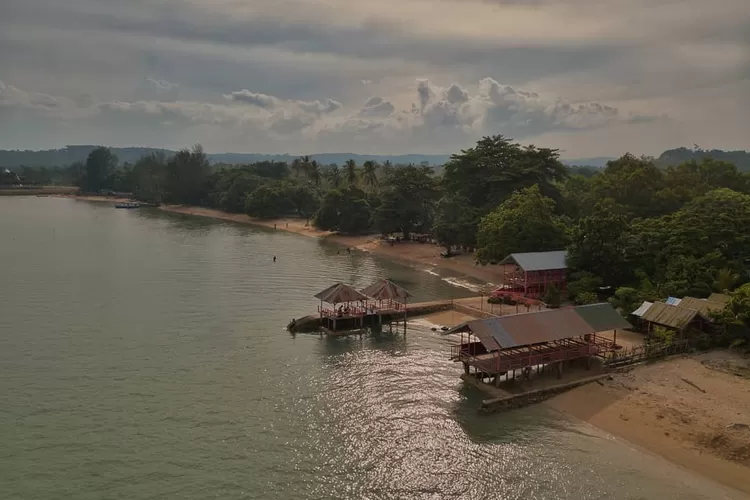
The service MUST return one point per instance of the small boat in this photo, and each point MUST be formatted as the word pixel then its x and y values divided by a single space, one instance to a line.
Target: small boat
pixel 128 205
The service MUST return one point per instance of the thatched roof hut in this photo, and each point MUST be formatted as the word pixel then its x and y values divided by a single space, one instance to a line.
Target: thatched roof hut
pixel 340 293
pixel 386 290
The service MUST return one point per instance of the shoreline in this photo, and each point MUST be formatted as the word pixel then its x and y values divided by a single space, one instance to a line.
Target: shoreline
pixel 426 255
pixel 650 408
pixel 655 407
pixel 422 255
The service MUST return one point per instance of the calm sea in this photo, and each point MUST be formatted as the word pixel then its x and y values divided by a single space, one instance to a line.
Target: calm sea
pixel 143 356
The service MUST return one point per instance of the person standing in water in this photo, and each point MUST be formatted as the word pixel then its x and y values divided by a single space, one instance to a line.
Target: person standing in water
pixel 274 258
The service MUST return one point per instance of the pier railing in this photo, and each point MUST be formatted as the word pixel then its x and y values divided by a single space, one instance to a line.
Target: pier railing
pixel 355 311
pixel 646 352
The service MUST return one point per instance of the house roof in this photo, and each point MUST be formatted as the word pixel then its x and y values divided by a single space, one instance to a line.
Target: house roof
pixel 538 261
pixel 642 309
pixel 339 293
pixel 671 316
pixel 703 305
pixel 517 330
pixel 386 290
pixel 602 317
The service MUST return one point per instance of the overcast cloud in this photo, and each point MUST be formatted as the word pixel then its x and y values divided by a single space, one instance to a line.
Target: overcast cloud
pixel 591 77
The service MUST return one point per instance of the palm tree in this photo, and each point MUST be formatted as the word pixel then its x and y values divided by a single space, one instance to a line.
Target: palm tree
pixel 350 172
pixel 313 173
pixel 297 167
pixel 333 176
pixel 370 173
pixel 386 169
pixel 725 279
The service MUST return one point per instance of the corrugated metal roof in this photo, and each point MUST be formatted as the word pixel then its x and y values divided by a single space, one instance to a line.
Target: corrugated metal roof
pixel 538 261
pixel 516 330
pixel 499 334
pixel 642 310
pixel 339 293
pixel 602 317
pixel 386 290
pixel 669 315
pixel 702 305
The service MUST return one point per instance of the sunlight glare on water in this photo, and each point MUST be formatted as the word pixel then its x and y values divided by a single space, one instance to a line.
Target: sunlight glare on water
pixel 143 355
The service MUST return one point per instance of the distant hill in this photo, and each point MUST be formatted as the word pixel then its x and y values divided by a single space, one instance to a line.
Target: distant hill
pixel 70 154
pixel 741 159
pixel 598 162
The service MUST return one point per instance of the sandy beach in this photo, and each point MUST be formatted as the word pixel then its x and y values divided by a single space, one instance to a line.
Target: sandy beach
pixel 423 254
pixel 693 410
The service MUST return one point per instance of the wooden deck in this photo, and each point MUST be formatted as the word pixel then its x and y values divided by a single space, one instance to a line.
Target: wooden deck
pixel 500 362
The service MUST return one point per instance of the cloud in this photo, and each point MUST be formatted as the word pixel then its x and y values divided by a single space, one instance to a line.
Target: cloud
pixel 377 107
pixel 267 102
pixel 452 113
pixel 578 67
pixel 262 101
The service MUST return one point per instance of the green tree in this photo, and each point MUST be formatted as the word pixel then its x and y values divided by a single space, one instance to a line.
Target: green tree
pixel 234 198
pixel 370 174
pixel 582 283
pixel 346 211
pixel 455 222
pixel 407 201
pixel 687 248
pixel 491 171
pixel 149 174
pixel 187 176
pixel 552 296
pixel 626 300
pixel 99 165
pixel 599 244
pixel 585 298
pixel 332 175
pixel 633 183
pixel 270 200
pixel 725 280
pixel 525 222
pixel 350 173
pixel 314 173
pixel 304 199
pixel 386 169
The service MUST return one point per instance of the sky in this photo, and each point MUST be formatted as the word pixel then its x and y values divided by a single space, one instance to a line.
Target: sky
pixel 589 77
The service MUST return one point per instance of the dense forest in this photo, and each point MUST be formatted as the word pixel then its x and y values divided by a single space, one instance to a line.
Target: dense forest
pixel 641 230
pixel 51 158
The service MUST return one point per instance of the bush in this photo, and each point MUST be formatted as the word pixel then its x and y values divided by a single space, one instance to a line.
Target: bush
pixel 584 298
pixel 552 297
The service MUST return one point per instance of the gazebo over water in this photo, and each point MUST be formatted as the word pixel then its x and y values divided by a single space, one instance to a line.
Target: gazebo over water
pixel 355 308
pixel 388 294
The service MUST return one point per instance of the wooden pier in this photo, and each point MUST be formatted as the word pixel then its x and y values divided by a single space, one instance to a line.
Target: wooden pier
pixel 388 317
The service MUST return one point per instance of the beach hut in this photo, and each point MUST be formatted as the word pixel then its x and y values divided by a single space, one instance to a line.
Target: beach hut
pixel 348 297
pixel 394 297
pixel 678 318
pixel 531 273
pixel 387 291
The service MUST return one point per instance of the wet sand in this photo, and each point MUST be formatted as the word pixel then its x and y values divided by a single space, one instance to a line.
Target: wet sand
pixel 703 427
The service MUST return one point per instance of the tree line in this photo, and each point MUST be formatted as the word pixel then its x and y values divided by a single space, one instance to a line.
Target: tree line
pixel 643 231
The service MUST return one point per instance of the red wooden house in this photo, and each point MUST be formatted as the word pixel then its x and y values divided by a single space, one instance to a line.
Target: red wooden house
pixel 529 274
